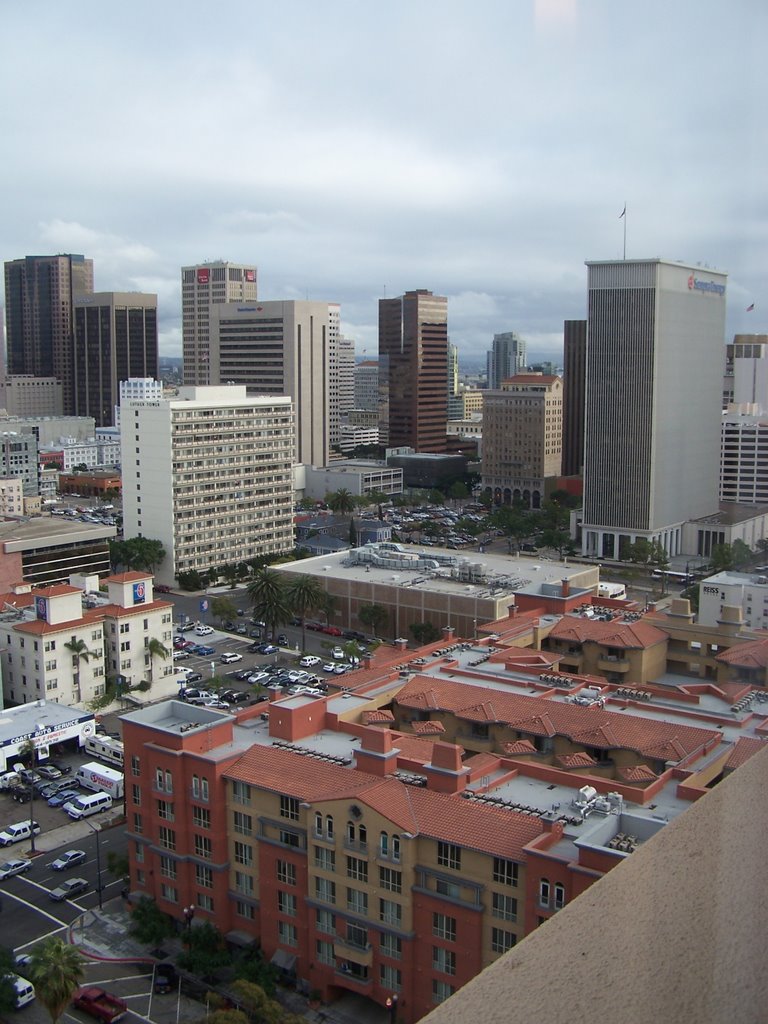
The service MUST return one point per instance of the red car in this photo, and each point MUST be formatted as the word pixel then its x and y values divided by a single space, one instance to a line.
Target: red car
pixel 332 630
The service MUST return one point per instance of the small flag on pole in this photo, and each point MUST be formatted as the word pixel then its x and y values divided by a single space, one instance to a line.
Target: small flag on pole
pixel 623 212
pixel 750 307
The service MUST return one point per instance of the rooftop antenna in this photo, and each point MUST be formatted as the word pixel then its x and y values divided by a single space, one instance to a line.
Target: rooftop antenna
pixel 623 216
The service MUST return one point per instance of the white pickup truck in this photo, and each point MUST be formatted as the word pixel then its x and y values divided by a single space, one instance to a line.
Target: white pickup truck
pixel 21 830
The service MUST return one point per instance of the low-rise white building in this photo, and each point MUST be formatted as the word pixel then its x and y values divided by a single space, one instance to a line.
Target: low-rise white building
pixel 358 476
pixel 735 591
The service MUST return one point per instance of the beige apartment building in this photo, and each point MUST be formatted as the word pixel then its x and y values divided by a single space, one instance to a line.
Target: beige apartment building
pixel 203 287
pixel 522 438
pixel 208 474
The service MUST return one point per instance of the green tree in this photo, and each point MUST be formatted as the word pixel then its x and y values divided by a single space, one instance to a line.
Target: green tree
pixel 149 924
pixel 640 552
pixel 56 970
pixel 190 579
pixel 118 865
pixel 722 558
pixel 436 497
pixel 742 554
pixel 458 491
pixel 328 607
pixel 425 632
pixel 341 501
pixel 267 593
pixel 223 608
pixel 7 991
pixel 155 649
pixel 79 651
pixel 228 1017
pixel 206 950
pixel 374 616
pixel 305 594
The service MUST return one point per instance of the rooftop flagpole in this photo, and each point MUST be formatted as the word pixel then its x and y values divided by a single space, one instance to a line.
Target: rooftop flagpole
pixel 623 215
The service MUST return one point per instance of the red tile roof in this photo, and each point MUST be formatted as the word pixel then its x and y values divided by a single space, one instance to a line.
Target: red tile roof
pixel 628 635
pixel 427 728
pixel 746 655
pixel 491 830
pixel 518 747
pixel 128 577
pixel 745 747
pixel 540 716
pixel 578 760
pixel 637 773
pixel 371 717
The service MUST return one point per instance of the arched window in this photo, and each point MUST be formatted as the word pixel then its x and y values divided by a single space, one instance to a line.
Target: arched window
pixel 544 892
pixel 559 895
pixel 318 823
pixel 395 847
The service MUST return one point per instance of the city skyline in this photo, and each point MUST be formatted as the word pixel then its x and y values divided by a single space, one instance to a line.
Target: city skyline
pixel 488 169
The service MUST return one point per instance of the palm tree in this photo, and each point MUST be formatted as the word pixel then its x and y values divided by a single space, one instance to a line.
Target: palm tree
pixel 267 592
pixel 80 652
pixel 56 970
pixel 305 594
pixel 341 501
pixel 155 649
pixel 27 749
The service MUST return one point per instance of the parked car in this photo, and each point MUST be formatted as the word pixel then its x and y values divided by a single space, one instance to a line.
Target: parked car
pixel 69 889
pixel 258 677
pixel 235 696
pixel 193 696
pixel 242 629
pixel 99 1003
pixel 340 669
pixel 48 771
pixel 14 867
pixel 309 661
pixel 205 651
pixel 201 629
pixel 68 859
pixel 180 655
pixel 165 978
pixel 282 640
pixel 179 643
pixel 63 797
pixel 194 677
pixel 337 653
pixel 243 674
pixel 230 657
pixel 329 666
pixel 268 649
pixel 332 630
pixel 21 830
pixel 217 704
pixel 185 627
pixel 62 766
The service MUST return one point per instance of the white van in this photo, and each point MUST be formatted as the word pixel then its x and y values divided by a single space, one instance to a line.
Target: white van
pixel 24 990
pixel 85 806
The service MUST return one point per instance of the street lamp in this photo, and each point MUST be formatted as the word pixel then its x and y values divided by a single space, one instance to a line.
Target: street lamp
pixel 391 1005
pixel 99 887
pixel 189 913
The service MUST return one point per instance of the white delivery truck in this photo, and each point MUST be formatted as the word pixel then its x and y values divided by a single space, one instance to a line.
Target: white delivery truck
pixel 100 779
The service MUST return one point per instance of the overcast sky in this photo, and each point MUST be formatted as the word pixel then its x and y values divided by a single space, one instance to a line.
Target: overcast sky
pixel 355 149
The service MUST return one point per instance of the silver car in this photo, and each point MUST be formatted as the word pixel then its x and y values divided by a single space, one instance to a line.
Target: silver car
pixel 69 860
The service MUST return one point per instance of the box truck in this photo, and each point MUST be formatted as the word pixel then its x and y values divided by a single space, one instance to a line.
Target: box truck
pixel 100 779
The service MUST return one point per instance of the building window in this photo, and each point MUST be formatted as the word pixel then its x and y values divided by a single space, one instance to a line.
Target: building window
pixel 325 890
pixel 502 940
pixel 357 869
pixel 357 936
pixel 203 847
pixel 201 817
pixel 559 895
pixel 390 912
pixel 318 824
pixel 446 888
pixel 504 907
pixel 391 946
pixel 244 854
pixel 241 793
pixel 204 876
pixel 544 893
pixel 199 788
pixel 136 794
pixel 357 901
pixel 289 808
pixel 167 867
pixel 290 838
pixel 391 977
pixel 165 810
pixel 243 823
pixel 325 859
pixel 286 903
pixel 205 901
pixel 243 883
pixel 167 837
pixel 505 871
pixel 449 856
pixel 324 952
pixel 138 825
pixel 286 872
pixel 245 910
pixel 329 827
pixel 169 893
pixel 443 960
pixel 444 927
pixel 441 991
pixel 325 921
pixel 390 879
pixel 287 934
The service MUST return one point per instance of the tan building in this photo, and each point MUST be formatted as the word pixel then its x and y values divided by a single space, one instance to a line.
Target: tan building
pixel 11 496
pixel 25 395
pixel 522 438
pixel 203 287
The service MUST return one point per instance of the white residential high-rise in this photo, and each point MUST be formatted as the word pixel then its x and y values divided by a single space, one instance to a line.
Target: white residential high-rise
pixel 145 389
pixel 341 391
pixel 280 348
pixel 505 358
pixel 210 475
pixel 653 402
pixel 203 287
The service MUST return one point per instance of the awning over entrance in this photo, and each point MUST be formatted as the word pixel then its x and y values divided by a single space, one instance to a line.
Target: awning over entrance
pixel 237 938
pixel 285 961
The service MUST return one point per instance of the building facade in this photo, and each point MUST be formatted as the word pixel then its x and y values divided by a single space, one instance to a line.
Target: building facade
pixel 19 458
pixel 505 358
pixel 115 339
pixel 203 287
pixel 280 348
pixel 39 316
pixel 24 395
pixel 522 438
pixel 413 369
pixel 574 382
pixel 744 457
pixel 366 385
pixel 341 373
pixel 652 428
pixel 208 474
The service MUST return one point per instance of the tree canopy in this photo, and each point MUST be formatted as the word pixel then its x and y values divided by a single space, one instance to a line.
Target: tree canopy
pixel 136 553
pixel 56 970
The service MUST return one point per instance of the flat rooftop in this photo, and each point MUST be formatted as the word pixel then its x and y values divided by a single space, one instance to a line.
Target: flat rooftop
pixel 50 531
pixel 39 715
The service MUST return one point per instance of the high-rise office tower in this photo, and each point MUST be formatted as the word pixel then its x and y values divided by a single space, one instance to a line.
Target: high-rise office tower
pixel 115 338
pixel 575 369
pixel 279 348
pixel 203 287
pixel 522 438
pixel 653 402
pixel 210 475
pixel 39 303
pixel 341 380
pixel 505 358
pixel 413 369
pixel 366 383
pixel 453 370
